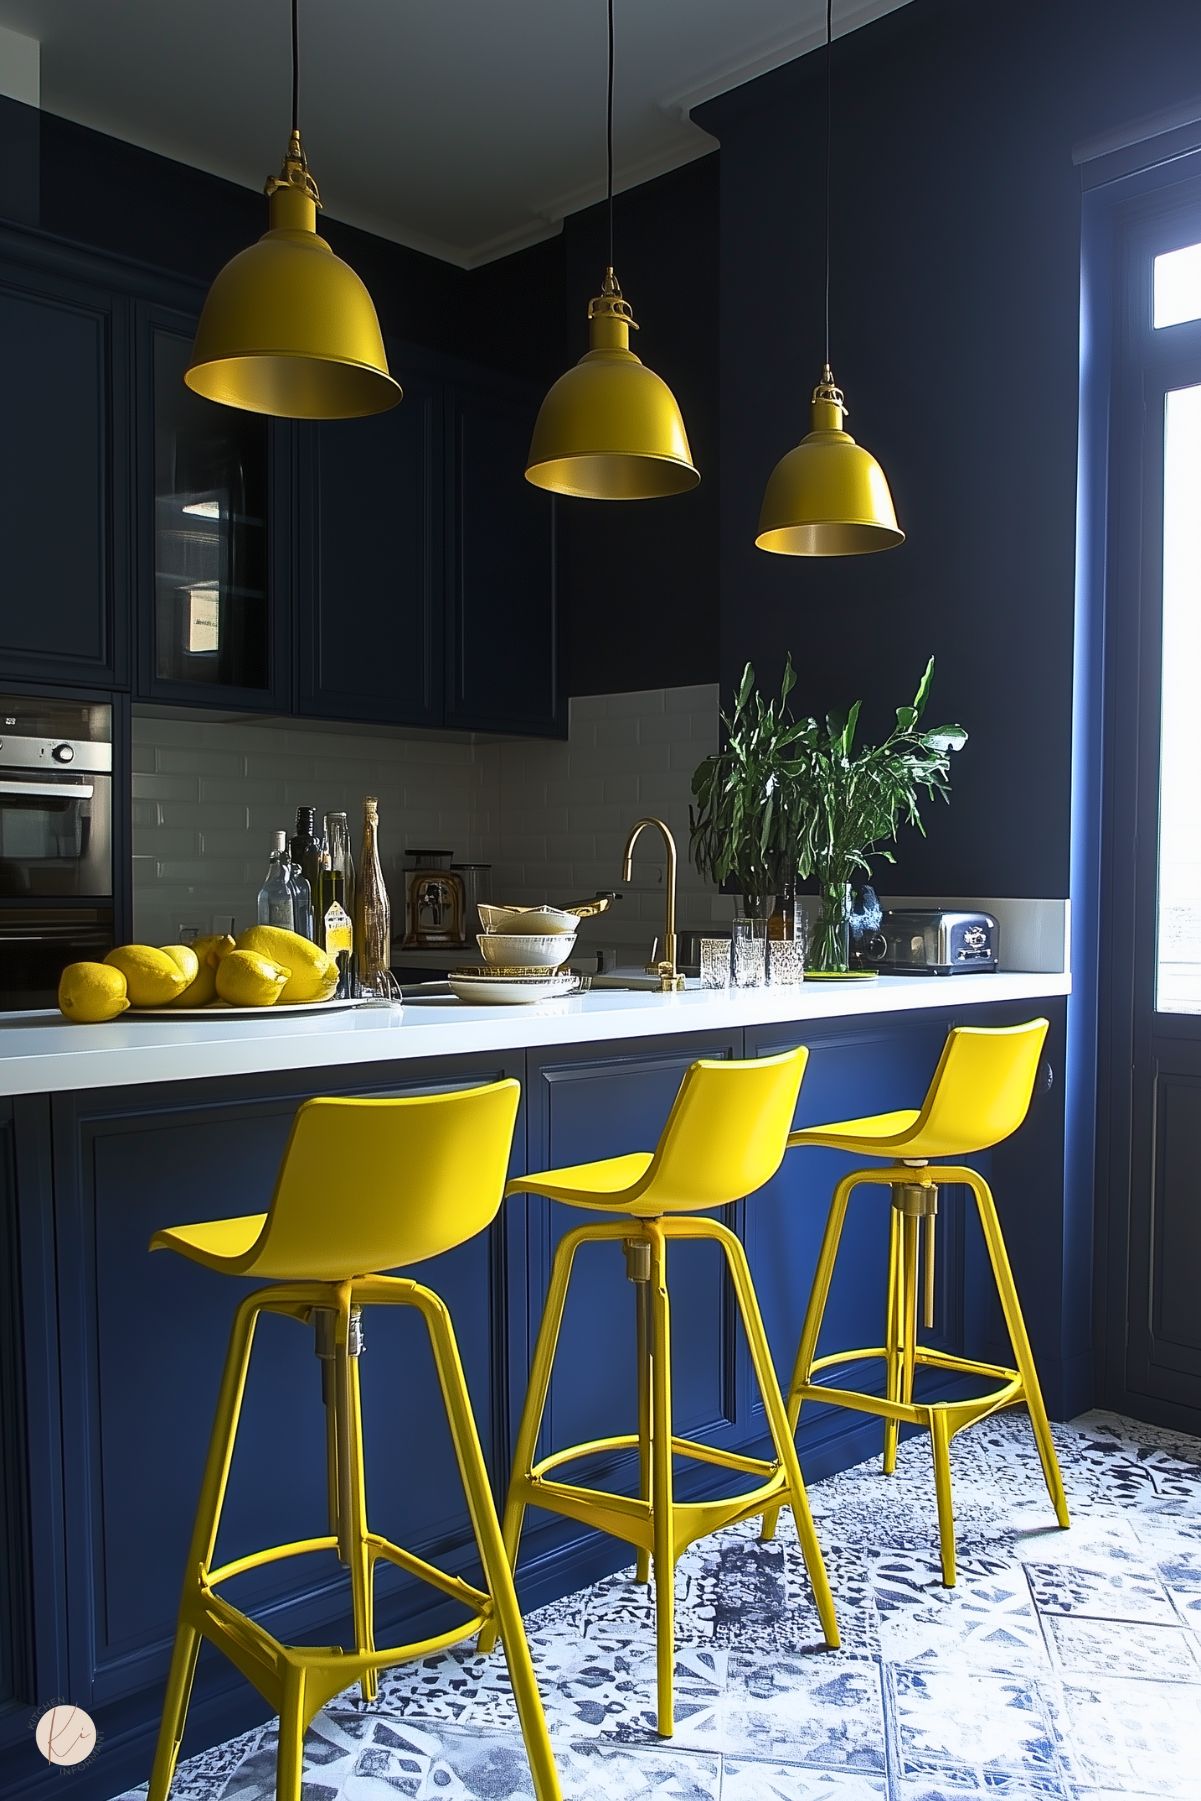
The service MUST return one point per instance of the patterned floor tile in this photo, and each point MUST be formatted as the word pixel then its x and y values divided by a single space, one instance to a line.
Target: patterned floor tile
pixel 984 1623
pixel 792 1782
pixel 1064 1666
pixel 1121 1594
pixel 1133 1737
pixel 995 1726
pixel 812 1709
pixel 1084 1647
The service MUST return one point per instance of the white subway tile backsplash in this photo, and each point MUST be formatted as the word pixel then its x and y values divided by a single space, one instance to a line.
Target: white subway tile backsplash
pixel 551 818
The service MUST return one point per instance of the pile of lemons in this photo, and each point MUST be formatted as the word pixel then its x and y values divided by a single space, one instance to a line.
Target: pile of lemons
pixel 261 967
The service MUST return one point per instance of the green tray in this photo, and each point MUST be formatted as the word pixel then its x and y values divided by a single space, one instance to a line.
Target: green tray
pixel 841 975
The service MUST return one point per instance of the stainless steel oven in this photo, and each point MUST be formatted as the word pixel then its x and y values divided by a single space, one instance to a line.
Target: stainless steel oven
pixel 56 841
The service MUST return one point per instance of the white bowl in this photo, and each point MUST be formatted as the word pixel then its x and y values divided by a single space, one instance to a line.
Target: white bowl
pixel 525 950
pixel 527 919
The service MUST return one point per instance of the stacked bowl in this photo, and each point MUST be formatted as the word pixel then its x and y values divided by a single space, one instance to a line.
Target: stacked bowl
pixel 524 951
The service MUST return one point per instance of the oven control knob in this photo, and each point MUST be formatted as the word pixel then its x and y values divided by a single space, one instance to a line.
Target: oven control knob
pixel 63 753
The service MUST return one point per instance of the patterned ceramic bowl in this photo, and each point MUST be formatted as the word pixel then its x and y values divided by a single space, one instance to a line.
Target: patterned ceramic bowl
pixel 525 950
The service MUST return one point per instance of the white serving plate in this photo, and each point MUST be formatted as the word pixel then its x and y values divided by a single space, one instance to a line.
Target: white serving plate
pixel 222 1010
pixel 498 990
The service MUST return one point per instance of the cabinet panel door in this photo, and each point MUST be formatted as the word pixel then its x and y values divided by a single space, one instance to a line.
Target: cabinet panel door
pixel 369 645
pixel 62 464
pixel 503 638
pixel 213 520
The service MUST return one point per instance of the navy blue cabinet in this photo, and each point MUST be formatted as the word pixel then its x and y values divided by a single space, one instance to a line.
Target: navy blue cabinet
pixel 213 512
pixel 370 512
pixel 503 645
pixel 64 372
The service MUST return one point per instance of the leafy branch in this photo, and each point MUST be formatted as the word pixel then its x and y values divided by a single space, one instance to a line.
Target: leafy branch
pixel 789 796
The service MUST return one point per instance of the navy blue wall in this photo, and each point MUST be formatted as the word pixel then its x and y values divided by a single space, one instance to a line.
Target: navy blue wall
pixel 956 245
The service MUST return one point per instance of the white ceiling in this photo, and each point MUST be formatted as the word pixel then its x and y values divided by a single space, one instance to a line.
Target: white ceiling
pixel 462 127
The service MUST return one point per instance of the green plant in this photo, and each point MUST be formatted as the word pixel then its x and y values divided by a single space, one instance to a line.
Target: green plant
pixel 739 819
pixel 791 797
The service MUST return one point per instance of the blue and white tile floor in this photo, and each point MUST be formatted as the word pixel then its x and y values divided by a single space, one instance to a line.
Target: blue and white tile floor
pixel 1065 1665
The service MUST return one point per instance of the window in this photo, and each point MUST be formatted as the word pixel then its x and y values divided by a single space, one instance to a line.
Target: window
pixel 1178 286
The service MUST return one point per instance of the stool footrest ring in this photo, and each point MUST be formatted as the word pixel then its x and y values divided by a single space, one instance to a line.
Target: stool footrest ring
pixel 378 1547
pixel 631 1518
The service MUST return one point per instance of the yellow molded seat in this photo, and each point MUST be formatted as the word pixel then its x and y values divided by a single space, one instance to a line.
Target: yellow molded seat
pixel 365 1186
pixel 979 1095
pixel 724 1138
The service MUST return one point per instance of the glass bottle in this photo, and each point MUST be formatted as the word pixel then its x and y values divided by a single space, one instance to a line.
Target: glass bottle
pixel 275 896
pixel 302 900
pixel 306 847
pixel 334 921
pixel 372 914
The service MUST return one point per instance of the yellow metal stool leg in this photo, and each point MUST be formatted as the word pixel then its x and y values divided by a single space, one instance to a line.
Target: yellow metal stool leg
pixel 1020 1340
pixel 892 1337
pixel 661 1481
pixel 361 1561
pixel 498 1574
pixel 535 1405
pixel 204 1539
pixel 819 1294
pixel 940 1444
pixel 909 1239
pixel 289 1766
pixel 781 1428
pixel 642 1302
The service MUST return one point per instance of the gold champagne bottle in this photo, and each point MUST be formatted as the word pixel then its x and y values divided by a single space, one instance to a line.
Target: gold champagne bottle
pixel 372 914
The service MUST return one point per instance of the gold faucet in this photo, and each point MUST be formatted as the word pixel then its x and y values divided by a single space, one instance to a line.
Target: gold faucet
pixel 670 979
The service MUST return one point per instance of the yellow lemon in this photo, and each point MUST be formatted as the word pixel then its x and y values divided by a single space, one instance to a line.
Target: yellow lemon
pixel 245 979
pixel 91 992
pixel 313 975
pixel 152 977
pixel 201 991
pixel 186 957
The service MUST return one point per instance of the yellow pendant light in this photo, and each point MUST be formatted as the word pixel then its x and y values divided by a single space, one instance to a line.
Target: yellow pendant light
pixel 610 429
pixel 828 497
pixel 288 328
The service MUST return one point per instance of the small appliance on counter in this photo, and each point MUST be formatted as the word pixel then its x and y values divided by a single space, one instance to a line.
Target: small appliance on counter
pixel 436 910
pixel 930 942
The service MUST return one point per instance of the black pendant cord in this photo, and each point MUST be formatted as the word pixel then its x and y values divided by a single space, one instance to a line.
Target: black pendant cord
pixel 295 65
pixel 829 136
pixel 610 134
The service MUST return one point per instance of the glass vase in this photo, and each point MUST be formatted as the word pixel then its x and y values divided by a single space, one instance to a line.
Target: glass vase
pixel 829 948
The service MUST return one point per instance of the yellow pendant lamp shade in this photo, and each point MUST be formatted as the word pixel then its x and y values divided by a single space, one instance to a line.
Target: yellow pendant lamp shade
pixel 610 429
pixel 288 328
pixel 828 497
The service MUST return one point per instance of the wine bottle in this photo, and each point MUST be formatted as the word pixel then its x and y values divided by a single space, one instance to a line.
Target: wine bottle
pixel 372 914
pixel 306 847
pixel 275 906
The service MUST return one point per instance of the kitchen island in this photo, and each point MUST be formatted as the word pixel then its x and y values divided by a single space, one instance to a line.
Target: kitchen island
pixel 110 1358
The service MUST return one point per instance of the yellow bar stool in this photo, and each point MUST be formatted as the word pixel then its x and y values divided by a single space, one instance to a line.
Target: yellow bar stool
pixel 980 1094
pixel 724 1138
pixel 364 1186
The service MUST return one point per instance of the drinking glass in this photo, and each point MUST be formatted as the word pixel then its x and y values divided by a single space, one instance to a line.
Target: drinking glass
pixel 715 962
pixel 749 953
pixel 785 962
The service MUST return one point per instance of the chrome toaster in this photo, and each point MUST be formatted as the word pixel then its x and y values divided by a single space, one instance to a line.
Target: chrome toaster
pixel 931 942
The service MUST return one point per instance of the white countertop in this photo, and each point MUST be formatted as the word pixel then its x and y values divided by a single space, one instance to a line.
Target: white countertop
pixel 43 1053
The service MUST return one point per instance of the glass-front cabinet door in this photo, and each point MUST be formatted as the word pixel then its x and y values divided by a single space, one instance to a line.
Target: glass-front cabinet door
pixel 210 535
